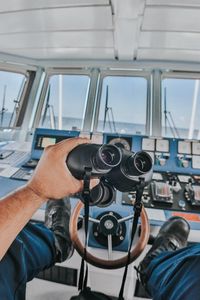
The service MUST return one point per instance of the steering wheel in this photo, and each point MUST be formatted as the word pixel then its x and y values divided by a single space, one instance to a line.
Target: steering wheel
pixel 103 263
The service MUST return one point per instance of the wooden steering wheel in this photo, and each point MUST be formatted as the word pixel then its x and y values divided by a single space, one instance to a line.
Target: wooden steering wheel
pixel 103 263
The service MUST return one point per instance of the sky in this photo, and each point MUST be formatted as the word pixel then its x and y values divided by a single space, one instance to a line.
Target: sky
pixel 179 95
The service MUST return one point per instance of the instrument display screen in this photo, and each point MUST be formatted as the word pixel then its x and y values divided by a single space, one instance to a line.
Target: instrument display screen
pixel 44 141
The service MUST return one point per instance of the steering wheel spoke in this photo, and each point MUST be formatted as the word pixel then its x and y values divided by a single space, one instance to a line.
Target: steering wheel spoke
pixel 110 254
pixel 96 221
pixel 125 219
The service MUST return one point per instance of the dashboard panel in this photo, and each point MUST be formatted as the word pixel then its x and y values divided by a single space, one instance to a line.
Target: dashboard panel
pixel 176 172
pixel 175 184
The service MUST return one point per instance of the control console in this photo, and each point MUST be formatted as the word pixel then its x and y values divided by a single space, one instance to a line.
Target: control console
pixel 176 171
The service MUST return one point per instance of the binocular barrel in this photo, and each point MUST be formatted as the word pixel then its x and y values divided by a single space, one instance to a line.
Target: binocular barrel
pixel 133 168
pixel 119 169
pixel 99 158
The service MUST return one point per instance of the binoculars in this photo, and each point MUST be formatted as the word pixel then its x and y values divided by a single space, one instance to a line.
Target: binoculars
pixel 116 168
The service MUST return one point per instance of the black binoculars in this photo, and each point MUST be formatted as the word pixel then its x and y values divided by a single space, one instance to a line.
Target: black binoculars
pixel 116 168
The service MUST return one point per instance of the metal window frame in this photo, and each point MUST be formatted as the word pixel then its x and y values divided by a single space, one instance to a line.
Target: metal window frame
pixel 123 73
pixel 60 71
pixel 156 103
pixel 9 68
pixel 177 75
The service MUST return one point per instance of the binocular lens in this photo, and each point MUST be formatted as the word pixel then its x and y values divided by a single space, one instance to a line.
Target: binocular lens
pixel 102 195
pixel 108 156
pixel 143 162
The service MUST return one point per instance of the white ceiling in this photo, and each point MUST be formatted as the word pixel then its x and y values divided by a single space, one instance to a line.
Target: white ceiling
pixel 101 29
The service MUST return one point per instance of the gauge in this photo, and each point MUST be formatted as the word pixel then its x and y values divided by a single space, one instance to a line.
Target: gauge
pixel 162 145
pixel 120 142
pixel 195 148
pixel 196 161
pixel 184 147
pixel 148 144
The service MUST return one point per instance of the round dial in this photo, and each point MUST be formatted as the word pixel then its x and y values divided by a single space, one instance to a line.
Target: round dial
pixel 120 142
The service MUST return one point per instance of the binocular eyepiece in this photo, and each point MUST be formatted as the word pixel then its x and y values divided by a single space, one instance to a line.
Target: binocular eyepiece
pixel 117 168
pixel 99 158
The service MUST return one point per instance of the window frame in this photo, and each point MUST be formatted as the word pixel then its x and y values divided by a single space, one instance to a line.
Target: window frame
pixel 124 73
pixel 48 74
pixel 24 93
pixel 176 75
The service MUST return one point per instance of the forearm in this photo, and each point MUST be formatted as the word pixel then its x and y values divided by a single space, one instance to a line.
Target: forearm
pixel 16 210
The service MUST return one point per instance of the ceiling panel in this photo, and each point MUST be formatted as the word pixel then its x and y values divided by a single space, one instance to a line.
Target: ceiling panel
pixel 65 53
pixel 15 5
pixel 176 40
pixel 83 18
pixel 57 39
pixel 173 2
pixel 168 55
pixel 171 19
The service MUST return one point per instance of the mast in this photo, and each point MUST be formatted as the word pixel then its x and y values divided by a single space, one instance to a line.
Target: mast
pixel 106 109
pixel 16 102
pixel 169 119
pixel 108 114
pixel 3 109
pixel 47 105
pixel 165 109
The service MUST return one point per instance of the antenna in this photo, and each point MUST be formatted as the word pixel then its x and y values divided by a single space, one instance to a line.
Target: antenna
pixel 50 108
pixel 16 102
pixel 107 115
pixel 169 119
pixel 3 110
pixel 165 109
pixel 47 105
pixel 106 109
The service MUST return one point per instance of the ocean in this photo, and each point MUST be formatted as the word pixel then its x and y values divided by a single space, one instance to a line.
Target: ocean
pixel 70 123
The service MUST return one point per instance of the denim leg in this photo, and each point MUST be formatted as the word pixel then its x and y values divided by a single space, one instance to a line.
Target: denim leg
pixel 175 275
pixel 32 251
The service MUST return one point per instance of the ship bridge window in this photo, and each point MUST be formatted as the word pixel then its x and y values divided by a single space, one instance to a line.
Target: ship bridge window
pixel 65 102
pixel 181 108
pixel 11 88
pixel 123 105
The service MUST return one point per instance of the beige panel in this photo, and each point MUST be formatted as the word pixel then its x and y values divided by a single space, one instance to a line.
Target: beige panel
pixel 65 53
pixel 174 2
pixel 85 18
pixel 126 38
pixel 14 5
pixel 176 40
pixel 171 19
pixel 57 39
pixel 169 55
